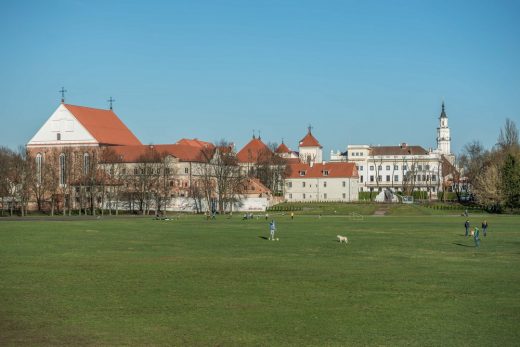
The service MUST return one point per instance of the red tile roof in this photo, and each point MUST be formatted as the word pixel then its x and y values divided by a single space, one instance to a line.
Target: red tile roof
pixel 323 170
pixel 133 154
pixel 254 186
pixel 309 141
pixel 104 125
pixel 282 149
pixel 195 143
pixel 254 150
pixel 398 150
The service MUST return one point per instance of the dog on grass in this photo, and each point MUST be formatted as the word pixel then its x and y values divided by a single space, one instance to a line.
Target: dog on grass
pixel 342 239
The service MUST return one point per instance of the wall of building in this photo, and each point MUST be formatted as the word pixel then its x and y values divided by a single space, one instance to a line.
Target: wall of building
pixel 321 189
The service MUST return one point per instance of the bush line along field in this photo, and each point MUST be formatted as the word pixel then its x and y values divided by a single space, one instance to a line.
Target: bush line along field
pixel 401 280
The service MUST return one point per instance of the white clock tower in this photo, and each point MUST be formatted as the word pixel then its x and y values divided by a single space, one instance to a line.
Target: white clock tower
pixel 443 134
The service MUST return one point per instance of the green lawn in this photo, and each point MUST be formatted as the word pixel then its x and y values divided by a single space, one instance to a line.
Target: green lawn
pixel 132 281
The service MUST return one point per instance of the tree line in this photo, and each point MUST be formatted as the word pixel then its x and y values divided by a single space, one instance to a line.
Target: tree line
pixel 494 174
pixel 97 180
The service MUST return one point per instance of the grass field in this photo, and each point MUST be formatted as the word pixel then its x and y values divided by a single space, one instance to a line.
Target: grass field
pixel 401 280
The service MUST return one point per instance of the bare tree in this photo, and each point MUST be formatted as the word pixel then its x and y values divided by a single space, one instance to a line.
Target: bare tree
pixel 508 137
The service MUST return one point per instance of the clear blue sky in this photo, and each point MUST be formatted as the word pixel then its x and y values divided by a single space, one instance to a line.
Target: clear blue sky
pixel 361 72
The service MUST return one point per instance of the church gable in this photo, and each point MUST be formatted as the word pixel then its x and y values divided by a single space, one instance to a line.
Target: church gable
pixel 62 129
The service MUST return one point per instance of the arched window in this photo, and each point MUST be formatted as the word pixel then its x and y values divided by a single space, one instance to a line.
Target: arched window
pixel 39 159
pixel 86 163
pixel 62 169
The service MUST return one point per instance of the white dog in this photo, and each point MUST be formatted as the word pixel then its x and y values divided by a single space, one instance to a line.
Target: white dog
pixel 342 239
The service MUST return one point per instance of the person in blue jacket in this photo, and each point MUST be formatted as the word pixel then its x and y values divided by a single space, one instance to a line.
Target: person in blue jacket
pixel 476 237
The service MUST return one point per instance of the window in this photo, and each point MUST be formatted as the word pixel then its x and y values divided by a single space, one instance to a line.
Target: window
pixel 58 136
pixel 171 183
pixel 325 172
pixel 433 189
pixel 324 195
pixel 62 169
pixel 379 178
pixel 325 184
pixel 86 163
pixel 302 173
pixel 371 178
pixel 344 183
pixel 136 171
pixel 39 167
pixel 434 177
pixel 186 170
pixel 405 167
pixel 361 167
pixel 380 167
pixel 344 195
pixel 424 178
pixel 166 170
pixel 396 167
pixel 371 168
pixel 427 167
pixel 396 178
pixel 388 168
pixel 290 196
pixel 123 171
pixel 289 184
pixel 303 195
pixel 303 184
pixel 419 167
pixel 388 178
pixel 361 178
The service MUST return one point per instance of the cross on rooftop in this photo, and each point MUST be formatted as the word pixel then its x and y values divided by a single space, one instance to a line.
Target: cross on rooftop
pixel 110 101
pixel 62 91
pixel 310 128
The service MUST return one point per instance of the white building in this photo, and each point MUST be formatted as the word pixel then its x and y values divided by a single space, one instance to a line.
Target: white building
pixel 312 179
pixel 401 168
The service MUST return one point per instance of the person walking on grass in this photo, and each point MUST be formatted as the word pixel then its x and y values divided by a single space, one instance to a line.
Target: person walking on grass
pixel 476 237
pixel 292 215
pixel 466 225
pixel 272 229
pixel 484 227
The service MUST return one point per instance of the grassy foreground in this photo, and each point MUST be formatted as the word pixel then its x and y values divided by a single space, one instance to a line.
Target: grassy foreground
pixel 400 281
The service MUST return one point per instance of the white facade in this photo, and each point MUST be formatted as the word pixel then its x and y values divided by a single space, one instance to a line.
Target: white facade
pixel 321 189
pixel 62 129
pixel 395 171
pixel 311 154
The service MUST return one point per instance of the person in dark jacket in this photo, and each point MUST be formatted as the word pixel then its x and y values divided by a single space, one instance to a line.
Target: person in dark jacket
pixel 466 225
pixel 484 227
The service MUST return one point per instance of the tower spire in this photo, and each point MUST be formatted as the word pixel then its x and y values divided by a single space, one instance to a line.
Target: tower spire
pixel 443 112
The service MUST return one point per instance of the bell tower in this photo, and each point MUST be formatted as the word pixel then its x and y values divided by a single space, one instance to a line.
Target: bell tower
pixel 443 134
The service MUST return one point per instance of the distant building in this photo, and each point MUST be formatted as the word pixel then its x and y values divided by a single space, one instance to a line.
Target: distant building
pixel 402 168
pixel 311 179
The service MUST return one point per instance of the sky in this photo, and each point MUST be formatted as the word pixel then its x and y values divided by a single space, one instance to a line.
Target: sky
pixel 359 72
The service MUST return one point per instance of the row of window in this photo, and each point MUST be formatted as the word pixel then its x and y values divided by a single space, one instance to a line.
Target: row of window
pixel 86 167
pixel 396 167
pixel 303 172
pixel 417 178
pixel 304 184
pixel 356 154
pixel 324 196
